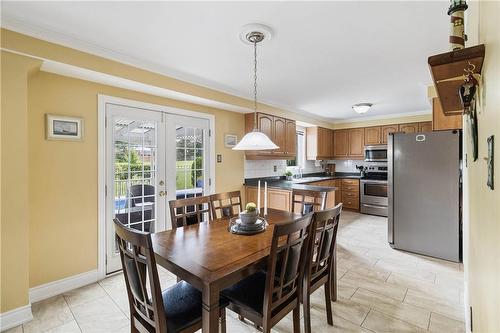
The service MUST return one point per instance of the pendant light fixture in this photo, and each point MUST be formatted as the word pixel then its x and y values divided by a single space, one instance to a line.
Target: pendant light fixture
pixel 255 140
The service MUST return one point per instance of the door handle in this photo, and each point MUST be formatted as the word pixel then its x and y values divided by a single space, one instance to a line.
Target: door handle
pixel 163 193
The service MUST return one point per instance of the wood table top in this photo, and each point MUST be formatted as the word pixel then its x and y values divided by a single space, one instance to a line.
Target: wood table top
pixel 206 252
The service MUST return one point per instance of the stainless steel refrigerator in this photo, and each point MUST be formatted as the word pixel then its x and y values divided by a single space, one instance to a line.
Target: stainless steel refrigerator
pixel 424 187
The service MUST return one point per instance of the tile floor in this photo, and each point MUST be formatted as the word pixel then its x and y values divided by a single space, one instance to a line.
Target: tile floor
pixel 380 290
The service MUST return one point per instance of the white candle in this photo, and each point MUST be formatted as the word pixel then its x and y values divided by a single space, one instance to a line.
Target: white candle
pixel 258 197
pixel 265 198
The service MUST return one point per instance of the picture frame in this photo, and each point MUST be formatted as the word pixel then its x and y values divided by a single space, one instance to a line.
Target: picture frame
pixel 63 128
pixel 230 140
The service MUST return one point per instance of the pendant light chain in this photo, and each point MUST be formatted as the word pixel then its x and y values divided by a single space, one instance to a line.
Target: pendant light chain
pixel 255 84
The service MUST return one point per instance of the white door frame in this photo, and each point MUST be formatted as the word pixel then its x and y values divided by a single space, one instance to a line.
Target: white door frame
pixel 102 100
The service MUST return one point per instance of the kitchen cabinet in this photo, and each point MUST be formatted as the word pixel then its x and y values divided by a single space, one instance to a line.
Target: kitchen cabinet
pixel 408 128
pixel 356 143
pixel 280 130
pixel 340 143
pixel 386 129
pixel 425 126
pixel 350 194
pixel 442 122
pixel 276 198
pixel 319 143
pixel 373 135
pixel 291 137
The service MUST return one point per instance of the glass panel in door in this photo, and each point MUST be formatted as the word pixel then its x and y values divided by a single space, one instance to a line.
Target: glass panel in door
pixel 136 184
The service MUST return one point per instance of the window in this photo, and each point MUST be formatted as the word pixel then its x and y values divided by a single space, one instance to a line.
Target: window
pixel 300 158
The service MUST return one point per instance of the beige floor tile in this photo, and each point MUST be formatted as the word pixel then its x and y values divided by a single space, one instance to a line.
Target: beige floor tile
pixel 84 294
pixel 380 323
pixel 441 323
pixel 17 329
pixel 71 327
pixel 100 315
pixel 455 280
pixel 345 289
pixel 375 285
pixel 422 286
pixel 393 308
pixel 343 307
pixel 48 314
pixel 408 269
pixel 435 304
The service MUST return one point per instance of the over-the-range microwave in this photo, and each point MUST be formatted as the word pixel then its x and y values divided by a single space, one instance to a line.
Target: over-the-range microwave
pixel 376 153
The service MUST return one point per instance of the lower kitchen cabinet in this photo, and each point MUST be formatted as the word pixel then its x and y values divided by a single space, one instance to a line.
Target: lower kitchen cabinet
pixel 276 198
pixel 350 194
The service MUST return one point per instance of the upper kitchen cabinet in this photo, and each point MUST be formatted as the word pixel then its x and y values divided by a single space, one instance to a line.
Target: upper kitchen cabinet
pixel 319 143
pixel 348 143
pixel 373 135
pixel 440 121
pixel 425 126
pixel 386 129
pixel 408 128
pixel 356 143
pixel 280 130
pixel 341 143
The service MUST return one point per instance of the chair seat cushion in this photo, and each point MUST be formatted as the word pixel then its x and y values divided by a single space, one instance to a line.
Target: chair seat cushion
pixel 182 304
pixel 249 292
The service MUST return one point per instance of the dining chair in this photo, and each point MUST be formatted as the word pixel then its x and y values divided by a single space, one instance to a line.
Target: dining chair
pixel 226 204
pixel 189 211
pixel 176 309
pixel 321 262
pixel 267 296
pixel 306 201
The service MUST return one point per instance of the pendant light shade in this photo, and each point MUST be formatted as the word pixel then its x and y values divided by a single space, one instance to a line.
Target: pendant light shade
pixel 255 140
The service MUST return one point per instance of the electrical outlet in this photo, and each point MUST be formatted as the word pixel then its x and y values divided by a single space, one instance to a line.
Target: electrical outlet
pixel 219 158
pixel 275 168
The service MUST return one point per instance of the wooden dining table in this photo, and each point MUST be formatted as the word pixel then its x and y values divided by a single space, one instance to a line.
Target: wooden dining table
pixel 211 258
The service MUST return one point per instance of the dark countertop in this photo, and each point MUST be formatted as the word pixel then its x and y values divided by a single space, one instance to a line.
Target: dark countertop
pixel 303 183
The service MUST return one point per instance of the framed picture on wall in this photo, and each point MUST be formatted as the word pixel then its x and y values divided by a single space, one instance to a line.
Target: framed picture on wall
pixel 64 128
pixel 230 140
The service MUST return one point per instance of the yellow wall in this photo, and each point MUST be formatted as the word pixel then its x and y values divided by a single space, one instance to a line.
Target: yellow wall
pixel 63 175
pixel 484 238
pixel 14 180
pixel 388 121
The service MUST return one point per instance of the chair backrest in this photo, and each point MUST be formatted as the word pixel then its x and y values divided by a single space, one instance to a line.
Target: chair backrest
pixel 286 264
pixel 322 243
pixel 306 201
pixel 138 196
pixel 189 211
pixel 226 204
pixel 138 262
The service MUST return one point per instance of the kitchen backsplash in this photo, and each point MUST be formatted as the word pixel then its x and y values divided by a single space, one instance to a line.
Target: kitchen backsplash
pixel 265 168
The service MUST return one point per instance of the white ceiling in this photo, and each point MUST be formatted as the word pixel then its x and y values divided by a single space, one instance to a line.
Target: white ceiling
pixel 324 56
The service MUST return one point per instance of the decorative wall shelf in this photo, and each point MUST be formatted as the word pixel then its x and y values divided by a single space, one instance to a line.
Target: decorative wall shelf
pixel 447 70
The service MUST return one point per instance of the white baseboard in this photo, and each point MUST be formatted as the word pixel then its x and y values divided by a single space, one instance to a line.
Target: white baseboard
pixel 15 317
pixel 58 287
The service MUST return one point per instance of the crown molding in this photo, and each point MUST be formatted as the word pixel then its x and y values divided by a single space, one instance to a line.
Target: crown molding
pixel 385 116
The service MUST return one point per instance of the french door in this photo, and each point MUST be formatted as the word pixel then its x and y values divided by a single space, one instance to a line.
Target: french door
pixel 151 157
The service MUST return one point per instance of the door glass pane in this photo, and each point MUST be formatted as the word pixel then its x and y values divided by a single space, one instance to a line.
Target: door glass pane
pixel 135 160
pixel 190 162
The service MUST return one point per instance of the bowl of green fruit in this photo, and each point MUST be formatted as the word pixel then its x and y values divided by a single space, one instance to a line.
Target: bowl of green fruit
pixel 250 214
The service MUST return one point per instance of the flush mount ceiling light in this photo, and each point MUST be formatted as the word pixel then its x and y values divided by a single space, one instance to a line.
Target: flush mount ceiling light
pixel 255 140
pixel 362 107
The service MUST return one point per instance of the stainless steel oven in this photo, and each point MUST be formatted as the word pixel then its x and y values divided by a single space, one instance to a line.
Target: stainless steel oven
pixel 375 153
pixel 374 197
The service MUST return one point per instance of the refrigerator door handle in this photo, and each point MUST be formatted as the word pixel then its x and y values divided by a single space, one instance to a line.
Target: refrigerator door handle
pixel 390 188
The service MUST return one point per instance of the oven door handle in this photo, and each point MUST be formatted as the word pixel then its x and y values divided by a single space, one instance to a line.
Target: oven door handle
pixel 373 206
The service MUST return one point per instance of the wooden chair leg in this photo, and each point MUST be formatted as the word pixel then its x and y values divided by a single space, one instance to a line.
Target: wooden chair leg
pixel 307 310
pixel 333 277
pixel 296 319
pixel 328 301
pixel 222 320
